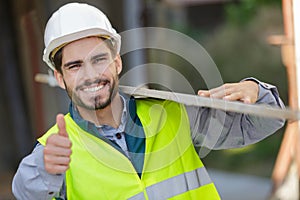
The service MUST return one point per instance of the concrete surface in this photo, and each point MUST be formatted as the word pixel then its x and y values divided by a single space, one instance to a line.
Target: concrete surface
pixel 232 186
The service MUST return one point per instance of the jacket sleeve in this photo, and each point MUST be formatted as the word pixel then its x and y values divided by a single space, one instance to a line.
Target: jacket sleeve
pixel 217 129
pixel 31 181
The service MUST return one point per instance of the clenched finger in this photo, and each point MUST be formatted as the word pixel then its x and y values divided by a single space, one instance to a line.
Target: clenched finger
pixel 56 160
pixel 56 169
pixel 56 150
pixel 58 140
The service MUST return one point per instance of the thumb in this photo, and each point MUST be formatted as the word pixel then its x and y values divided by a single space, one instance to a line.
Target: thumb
pixel 61 124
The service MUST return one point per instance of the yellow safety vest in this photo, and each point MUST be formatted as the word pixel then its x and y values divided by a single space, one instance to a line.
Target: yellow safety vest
pixel 172 168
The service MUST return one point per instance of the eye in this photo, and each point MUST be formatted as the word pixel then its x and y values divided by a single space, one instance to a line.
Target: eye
pixel 73 67
pixel 99 60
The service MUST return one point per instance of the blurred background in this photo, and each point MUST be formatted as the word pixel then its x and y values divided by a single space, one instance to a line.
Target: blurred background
pixel 233 32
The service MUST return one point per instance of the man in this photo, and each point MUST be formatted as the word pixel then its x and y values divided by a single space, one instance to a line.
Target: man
pixel 111 146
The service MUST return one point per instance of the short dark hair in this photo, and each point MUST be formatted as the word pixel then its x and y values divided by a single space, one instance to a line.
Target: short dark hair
pixel 57 58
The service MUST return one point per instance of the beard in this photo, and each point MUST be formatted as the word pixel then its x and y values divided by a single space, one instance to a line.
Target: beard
pixel 95 102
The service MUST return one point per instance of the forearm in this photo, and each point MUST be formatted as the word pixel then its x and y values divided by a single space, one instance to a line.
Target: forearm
pixel 31 181
pixel 256 128
pixel 216 129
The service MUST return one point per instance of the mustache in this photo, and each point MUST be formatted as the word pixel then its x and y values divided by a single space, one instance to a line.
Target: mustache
pixel 89 82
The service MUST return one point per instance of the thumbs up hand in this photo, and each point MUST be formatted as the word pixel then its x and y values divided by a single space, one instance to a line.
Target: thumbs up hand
pixel 57 151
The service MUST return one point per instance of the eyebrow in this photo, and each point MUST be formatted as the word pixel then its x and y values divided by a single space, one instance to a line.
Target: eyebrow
pixel 81 61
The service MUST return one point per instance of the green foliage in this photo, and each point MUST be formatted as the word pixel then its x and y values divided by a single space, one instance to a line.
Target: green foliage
pixel 241 51
pixel 241 12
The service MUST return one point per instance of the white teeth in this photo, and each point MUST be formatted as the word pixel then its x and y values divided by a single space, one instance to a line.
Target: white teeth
pixel 93 89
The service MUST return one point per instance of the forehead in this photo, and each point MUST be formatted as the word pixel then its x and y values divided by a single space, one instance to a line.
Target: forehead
pixel 85 47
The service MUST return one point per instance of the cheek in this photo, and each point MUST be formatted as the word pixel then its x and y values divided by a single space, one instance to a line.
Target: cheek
pixel 71 82
pixel 110 71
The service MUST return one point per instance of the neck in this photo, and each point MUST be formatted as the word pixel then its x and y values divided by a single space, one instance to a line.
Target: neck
pixel 110 115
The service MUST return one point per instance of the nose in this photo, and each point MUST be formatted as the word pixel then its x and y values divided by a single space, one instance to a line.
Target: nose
pixel 89 72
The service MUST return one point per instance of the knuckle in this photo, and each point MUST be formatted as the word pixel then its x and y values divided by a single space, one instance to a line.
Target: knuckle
pixel 226 85
pixel 47 159
pixel 68 160
pixel 69 152
pixel 46 150
pixel 64 168
pixel 69 143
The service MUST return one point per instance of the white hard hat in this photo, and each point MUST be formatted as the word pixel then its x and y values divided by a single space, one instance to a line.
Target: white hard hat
pixel 74 21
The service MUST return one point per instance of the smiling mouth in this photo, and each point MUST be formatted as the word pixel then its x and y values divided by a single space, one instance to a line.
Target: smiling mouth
pixel 95 87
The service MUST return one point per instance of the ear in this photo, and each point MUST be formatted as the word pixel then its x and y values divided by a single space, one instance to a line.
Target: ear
pixel 60 79
pixel 118 62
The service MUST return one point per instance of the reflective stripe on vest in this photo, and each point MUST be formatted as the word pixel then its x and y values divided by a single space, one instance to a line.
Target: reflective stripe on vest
pixel 176 185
